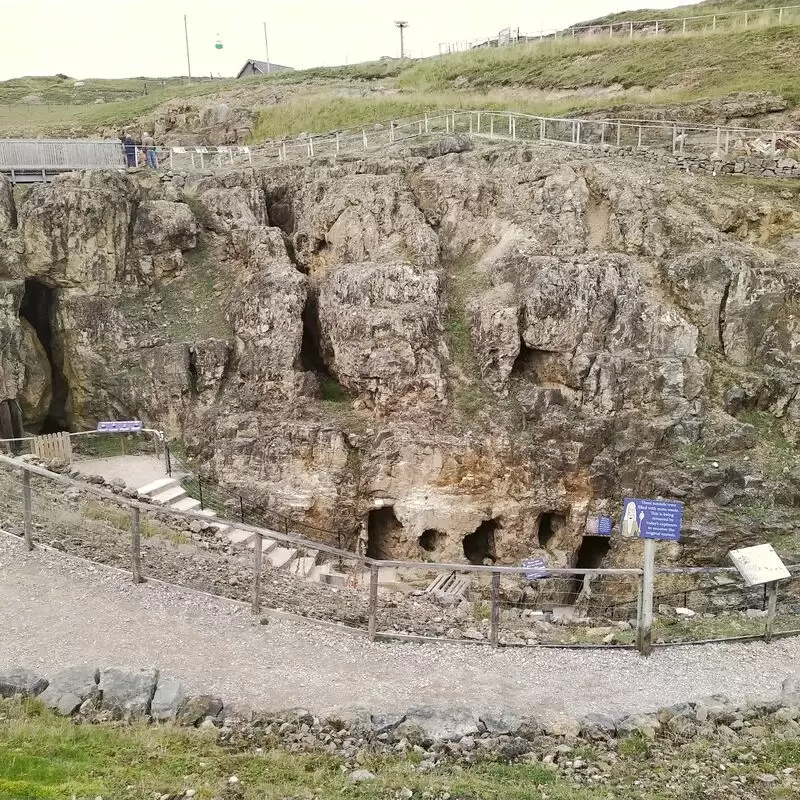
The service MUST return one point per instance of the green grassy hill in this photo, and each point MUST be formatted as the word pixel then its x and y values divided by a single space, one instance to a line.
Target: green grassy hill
pixel 679 12
pixel 564 76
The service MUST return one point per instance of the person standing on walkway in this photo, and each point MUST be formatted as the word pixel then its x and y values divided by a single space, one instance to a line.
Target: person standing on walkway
pixel 149 144
pixel 130 150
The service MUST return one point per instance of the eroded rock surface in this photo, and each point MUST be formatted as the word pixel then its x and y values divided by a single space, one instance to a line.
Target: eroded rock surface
pixel 471 352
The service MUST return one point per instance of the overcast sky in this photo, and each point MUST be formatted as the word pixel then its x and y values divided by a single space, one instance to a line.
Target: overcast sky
pixel 129 38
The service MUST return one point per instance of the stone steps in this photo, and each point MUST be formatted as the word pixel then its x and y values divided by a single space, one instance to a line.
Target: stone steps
pixel 301 563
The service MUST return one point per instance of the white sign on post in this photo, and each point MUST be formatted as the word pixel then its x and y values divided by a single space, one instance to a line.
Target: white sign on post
pixel 759 564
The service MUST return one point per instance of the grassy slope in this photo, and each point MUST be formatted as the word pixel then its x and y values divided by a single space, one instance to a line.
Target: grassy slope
pixel 664 70
pixel 44 757
pixel 710 65
pixel 694 10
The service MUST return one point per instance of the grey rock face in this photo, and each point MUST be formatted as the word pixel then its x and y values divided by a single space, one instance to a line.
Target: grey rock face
pixel 168 700
pixel 70 688
pixel 128 692
pixel 21 682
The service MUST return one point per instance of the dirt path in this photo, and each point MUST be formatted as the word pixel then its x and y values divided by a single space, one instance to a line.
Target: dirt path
pixel 59 611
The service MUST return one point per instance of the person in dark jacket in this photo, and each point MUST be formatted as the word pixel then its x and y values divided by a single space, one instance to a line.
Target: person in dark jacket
pixel 130 150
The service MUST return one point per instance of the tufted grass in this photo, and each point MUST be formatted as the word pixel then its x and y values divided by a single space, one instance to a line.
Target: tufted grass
pixel 43 757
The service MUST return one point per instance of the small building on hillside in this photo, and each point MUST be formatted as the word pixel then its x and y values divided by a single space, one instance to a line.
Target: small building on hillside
pixel 254 67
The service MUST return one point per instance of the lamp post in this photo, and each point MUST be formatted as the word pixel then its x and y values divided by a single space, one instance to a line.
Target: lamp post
pixel 266 45
pixel 402 24
pixel 186 31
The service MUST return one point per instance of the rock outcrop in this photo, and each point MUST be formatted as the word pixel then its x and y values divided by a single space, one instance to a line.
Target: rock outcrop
pixel 466 351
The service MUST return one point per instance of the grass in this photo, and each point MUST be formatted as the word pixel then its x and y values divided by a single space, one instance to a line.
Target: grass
pixel 688 67
pixel 43 757
pixel 465 281
pixel 47 758
pixel 332 391
pixel 697 9
pixel 190 303
pixel 120 519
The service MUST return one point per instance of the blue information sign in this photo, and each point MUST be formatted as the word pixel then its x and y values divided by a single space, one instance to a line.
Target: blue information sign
pixel 652 519
pixel 537 569
pixel 125 426
pixel 599 526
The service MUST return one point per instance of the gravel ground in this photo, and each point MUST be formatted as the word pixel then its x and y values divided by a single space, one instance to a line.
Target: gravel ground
pixel 60 611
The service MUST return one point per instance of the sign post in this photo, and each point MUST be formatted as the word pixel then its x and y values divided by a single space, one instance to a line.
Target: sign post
pixel 650 520
pixel 761 565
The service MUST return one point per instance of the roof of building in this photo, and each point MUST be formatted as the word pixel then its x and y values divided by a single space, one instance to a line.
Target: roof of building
pixel 261 66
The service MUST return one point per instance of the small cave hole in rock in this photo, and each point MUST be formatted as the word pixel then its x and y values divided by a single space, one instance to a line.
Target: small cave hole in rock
pixel 384 532
pixel 480 546
pixel 430 539
pixel 591 554
pixel 550 525
pixel 38 308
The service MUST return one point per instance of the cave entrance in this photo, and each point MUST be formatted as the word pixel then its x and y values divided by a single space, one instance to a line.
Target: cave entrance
pixel 480 545
pixel 430 540
pixel 38 308
pixel 591 555
pixel 551 524
pixel 384 530
pixel 311 359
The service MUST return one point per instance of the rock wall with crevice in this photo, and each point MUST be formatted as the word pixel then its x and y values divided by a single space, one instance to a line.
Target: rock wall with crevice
pixel 495 345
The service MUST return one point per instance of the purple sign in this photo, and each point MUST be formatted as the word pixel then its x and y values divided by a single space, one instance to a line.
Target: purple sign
pixel 599 526
pixel 537 569
pixel 127 426
pixel 652 519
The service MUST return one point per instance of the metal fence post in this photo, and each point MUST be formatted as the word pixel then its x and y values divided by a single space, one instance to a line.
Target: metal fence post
pixel 491 126
pixel 631 34
pixel 494 630
pixel 136 547
pixel 200 491
pixel 26 508
pixel 644 628
pixel 241 508
pixel 619 133
pixel 257 554
pixel 168 459
pixel 640 137
pixel 373 601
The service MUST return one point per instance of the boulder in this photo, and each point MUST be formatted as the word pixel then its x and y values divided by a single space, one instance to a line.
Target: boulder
pixel 21 682
pixel 70 688
pixel 790 692
pixel 196 709
pixel 442 725
pixel 168 700
pixel 128 692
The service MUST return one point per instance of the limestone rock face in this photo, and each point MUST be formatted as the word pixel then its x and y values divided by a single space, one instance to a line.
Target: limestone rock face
pixel 75 232
pixel 8 211
pixel 520 337
pixel 350 218
pixel 37 389
pixel 162 232
pixel 381 328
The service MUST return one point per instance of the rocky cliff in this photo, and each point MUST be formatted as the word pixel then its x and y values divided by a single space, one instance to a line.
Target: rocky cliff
pixel 471 352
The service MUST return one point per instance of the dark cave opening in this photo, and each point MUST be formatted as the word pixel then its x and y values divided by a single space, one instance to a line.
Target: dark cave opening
pixel 384 532
pixel 311 359
pixel 480 545
pixel 551 523
pixel 430 540
pixel 591 555
pixel 38 308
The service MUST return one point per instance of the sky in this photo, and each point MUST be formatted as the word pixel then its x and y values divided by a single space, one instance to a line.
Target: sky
pixel 131 38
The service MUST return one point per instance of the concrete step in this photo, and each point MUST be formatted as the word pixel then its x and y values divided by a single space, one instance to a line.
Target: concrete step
pixel 207 512
pixel 186 504
pixel 246 539
pixel 170 496
pixel 301 566
pixel 161 485
pixel 280 557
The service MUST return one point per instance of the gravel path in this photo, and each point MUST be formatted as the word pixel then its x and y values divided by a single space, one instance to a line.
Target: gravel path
pixel 60 611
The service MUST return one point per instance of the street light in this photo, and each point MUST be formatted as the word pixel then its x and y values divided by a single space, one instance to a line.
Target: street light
pixel 402 25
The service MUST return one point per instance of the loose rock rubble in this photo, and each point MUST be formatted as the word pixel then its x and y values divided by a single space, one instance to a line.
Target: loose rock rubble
pixel 709 736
